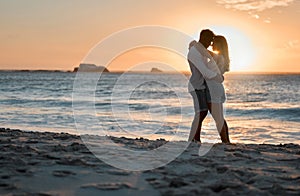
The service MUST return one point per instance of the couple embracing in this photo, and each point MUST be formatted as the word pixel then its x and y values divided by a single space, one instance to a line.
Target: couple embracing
pixel 205 83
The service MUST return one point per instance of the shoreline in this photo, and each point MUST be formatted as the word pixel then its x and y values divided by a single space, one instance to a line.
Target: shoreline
pixel 60 164
pixel 74 133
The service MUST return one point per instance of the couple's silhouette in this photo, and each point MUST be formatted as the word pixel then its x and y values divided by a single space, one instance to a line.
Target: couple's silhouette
pixel 205 83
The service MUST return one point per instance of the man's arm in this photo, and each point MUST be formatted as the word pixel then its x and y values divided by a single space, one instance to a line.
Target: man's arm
pixel 219 78
pixel 195 57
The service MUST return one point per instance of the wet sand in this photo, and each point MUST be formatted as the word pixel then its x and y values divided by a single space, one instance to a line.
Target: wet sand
pixel 44 163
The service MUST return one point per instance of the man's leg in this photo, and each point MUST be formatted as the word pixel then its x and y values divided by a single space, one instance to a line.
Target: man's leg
pixel 202 116
pixel 197 124
pixel 201 110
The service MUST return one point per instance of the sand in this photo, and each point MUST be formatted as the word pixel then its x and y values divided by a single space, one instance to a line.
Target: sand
pixel 44 163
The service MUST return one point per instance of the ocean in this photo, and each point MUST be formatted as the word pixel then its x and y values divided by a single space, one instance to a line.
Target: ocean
pixel 260 108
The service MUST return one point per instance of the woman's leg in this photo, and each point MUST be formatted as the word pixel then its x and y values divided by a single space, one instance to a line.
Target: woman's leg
pixel 216 110
pixel 225 127
pixel 224 133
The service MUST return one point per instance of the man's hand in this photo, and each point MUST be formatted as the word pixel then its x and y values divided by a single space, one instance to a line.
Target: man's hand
pixel 219 78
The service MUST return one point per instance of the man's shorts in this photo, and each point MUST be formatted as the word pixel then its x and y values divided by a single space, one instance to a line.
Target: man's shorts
pixel 201 99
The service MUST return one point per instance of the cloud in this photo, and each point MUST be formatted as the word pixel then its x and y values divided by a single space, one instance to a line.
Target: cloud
pixel 253 5
pixel 292 44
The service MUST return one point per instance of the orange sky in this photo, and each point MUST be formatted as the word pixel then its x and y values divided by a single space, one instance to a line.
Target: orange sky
pixel 262 35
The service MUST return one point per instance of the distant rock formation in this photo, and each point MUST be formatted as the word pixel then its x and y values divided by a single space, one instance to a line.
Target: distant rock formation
pixel 37 70
pixel 156 70
pixel 90 68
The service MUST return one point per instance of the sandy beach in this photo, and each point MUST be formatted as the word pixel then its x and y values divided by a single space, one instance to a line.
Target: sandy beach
pixel 45 163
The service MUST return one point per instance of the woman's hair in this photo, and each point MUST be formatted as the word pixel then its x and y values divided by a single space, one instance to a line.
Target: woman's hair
pixel 220 44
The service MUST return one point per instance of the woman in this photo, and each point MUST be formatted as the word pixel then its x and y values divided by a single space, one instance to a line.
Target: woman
pixel 221 57
pixel 218 63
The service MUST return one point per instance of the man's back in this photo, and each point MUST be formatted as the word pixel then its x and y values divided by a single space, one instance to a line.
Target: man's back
pixel 198 68
pixel 196 79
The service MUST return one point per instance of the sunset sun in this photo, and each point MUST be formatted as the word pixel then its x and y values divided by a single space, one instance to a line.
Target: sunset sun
pixel 241 50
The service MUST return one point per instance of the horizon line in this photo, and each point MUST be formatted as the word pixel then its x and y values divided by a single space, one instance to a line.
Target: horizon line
pixel 163 71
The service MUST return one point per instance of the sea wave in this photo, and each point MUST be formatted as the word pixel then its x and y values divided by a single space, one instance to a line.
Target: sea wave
pixel 287 114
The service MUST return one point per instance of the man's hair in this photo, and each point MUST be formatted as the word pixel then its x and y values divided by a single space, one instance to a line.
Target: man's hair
pixel 206 37
pixel 207 34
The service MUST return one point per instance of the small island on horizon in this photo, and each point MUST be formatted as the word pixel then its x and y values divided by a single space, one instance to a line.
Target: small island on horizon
pixel 156 70
pixel 85 67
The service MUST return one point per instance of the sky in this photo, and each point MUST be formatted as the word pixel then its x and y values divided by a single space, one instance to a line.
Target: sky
pixel 263 35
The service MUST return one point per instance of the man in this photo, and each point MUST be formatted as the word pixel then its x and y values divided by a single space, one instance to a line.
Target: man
pixel 197 86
